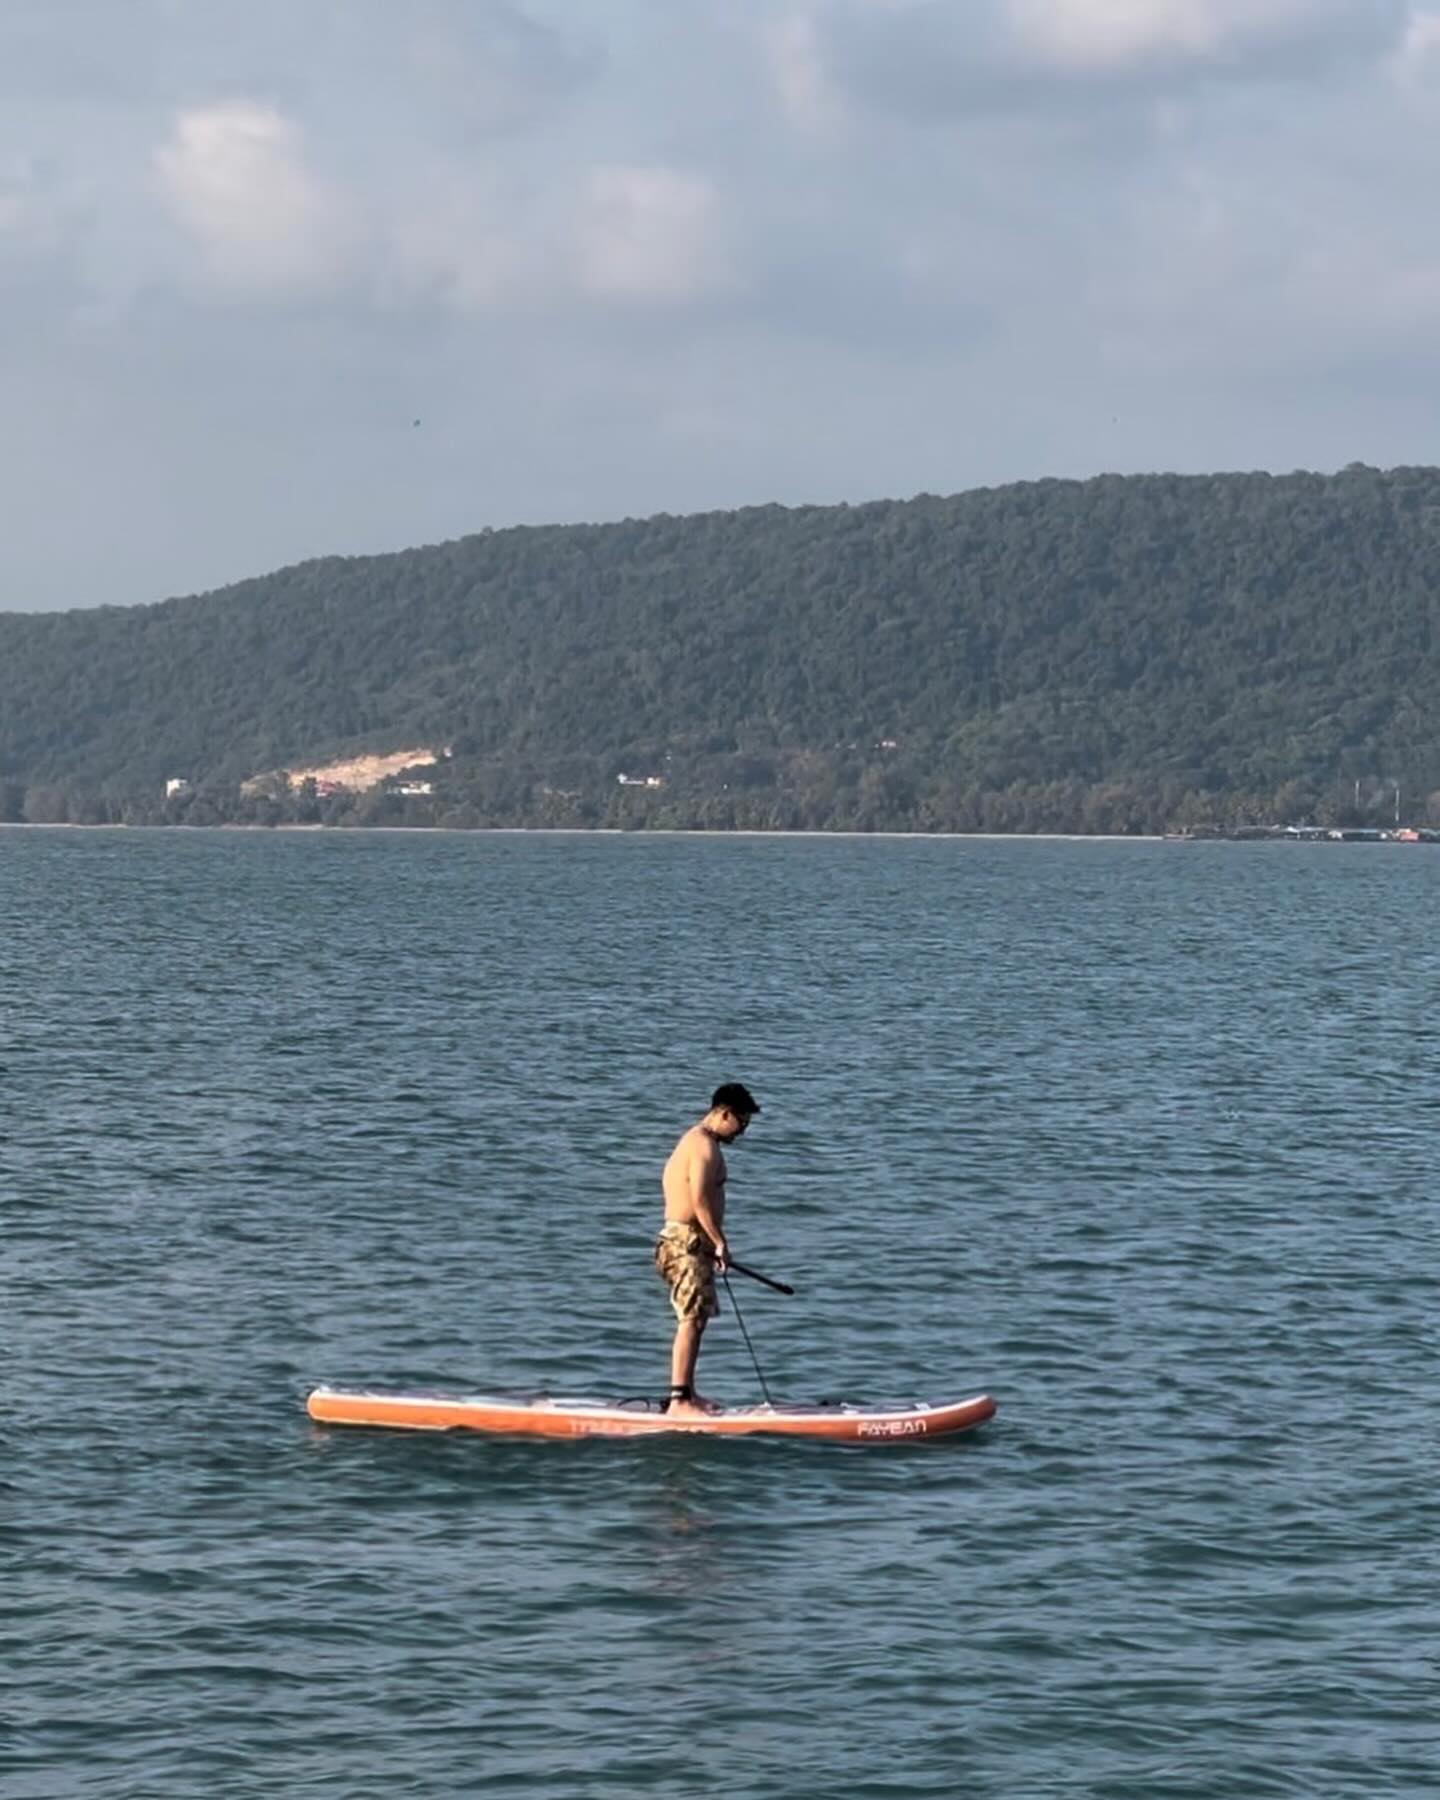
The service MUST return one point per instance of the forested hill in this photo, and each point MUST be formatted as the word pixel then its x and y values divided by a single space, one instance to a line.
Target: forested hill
pixel 1126 653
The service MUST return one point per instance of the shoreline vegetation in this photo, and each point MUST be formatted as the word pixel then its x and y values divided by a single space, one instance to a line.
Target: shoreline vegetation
pixel 1129 656
pixel 1275 835
pixel 888 796
pixel 1014 815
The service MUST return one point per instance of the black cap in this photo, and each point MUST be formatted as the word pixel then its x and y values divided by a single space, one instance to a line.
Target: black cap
pixel 735 1096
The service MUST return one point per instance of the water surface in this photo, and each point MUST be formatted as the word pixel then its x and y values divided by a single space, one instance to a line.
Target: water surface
pixel 1140 1137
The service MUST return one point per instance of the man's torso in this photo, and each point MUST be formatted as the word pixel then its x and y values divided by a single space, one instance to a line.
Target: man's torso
pixel 696 1165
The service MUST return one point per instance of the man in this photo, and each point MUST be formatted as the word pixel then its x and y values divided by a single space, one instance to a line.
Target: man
pixel 692 1244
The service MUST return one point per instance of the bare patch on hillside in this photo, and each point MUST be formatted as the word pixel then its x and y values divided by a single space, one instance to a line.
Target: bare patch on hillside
pixel 352 774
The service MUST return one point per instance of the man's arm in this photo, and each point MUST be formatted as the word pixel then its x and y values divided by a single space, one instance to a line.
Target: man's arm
pixel 704 1168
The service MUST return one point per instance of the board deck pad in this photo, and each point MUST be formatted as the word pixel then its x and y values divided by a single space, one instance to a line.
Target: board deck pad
pixel 545 1416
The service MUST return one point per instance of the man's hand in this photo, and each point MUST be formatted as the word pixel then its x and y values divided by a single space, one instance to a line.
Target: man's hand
pixel 722 1255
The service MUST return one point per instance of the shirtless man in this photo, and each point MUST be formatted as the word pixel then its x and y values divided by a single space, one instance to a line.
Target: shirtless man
pixel 692 1245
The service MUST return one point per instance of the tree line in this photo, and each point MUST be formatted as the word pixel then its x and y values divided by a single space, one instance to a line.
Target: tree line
pixel 1125 654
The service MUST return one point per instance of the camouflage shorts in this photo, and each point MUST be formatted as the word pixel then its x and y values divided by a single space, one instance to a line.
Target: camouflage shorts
pixel 686 1259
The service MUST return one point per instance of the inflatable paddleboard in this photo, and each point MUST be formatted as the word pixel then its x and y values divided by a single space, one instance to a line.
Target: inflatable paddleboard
pixel 546 1417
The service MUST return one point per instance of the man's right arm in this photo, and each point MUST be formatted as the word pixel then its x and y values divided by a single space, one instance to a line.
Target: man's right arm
pixel 702 1192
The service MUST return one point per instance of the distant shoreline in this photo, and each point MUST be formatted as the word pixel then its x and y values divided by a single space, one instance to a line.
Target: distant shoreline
pixel 590 831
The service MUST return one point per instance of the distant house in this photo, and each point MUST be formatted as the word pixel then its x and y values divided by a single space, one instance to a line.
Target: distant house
pixel 177 784
pixel 415 787
pixel 646 781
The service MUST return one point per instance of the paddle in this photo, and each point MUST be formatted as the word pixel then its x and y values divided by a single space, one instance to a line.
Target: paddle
pixel 739 1320
pixel 780 1287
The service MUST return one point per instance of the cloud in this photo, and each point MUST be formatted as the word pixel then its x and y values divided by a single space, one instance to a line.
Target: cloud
pixel 482 233
pixel 1103 37
pixel 795 61
pixel 19 211
pixel 640 254
pixel 650 234
pixel 1417 60
pixel 490 66
pixel 45 216
pixel 235 176
pixel 497 69
pixel 457 240
pixel 928 59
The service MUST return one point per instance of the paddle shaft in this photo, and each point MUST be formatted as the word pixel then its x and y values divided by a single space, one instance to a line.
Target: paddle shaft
pixel 746 1335
pixel 780 1287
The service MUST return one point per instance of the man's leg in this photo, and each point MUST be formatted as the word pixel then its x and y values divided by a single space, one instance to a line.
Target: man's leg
pixel 683 1357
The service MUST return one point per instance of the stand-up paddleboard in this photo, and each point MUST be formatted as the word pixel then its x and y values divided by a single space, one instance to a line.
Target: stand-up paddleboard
pixel 546 1417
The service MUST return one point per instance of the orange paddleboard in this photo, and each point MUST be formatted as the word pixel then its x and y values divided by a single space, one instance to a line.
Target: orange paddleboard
pixel 640 1418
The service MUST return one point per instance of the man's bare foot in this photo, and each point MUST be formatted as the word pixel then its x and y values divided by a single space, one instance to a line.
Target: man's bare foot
pixel 697 1408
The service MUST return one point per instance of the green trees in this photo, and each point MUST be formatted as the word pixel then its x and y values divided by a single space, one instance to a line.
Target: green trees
pixel 1123 654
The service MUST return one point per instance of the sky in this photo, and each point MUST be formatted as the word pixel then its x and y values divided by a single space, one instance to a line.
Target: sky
pixel 289 278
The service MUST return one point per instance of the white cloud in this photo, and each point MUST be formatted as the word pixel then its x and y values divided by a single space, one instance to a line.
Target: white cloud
pixel 932 59
pixel 1418 58
pixel 235 176
pixel 794 59
pixel 1109 36
pixel 457 239
pixel 650 234
pixel 483 233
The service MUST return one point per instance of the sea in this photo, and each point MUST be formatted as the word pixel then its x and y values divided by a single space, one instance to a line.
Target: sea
pixel 1138 1137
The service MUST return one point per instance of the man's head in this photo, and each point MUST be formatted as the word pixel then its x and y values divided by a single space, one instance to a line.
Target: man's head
pixel 732 1106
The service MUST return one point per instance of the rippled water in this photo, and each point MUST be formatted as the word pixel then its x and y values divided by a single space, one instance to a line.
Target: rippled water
pixel 1140 1137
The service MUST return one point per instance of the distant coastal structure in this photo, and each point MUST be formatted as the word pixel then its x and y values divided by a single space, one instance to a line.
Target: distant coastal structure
pixel 1308 834
pixel 354 774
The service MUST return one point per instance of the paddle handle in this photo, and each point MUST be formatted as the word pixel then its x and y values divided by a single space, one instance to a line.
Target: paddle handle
pixel 780 1287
